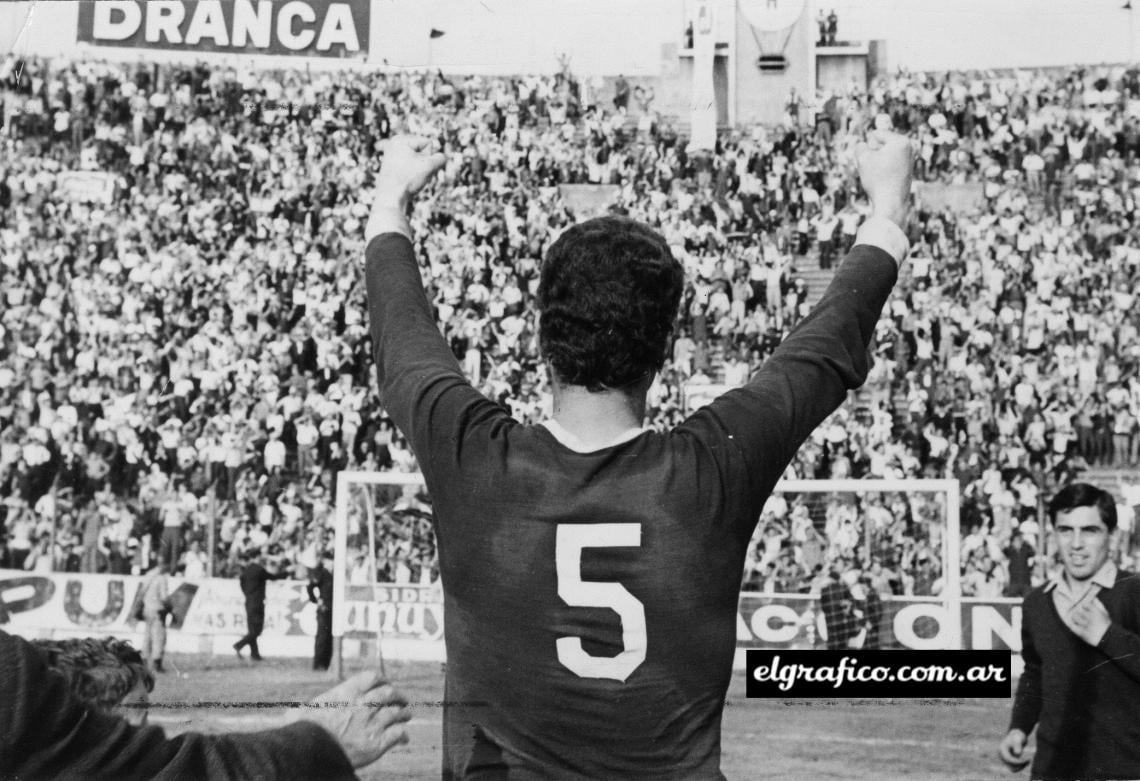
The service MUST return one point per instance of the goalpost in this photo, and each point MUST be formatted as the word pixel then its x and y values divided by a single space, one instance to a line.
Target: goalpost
pixel 346 482
pixel 933 503
pixel 393 599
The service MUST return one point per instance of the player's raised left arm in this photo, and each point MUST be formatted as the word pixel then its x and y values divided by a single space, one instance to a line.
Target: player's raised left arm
pixel 825 356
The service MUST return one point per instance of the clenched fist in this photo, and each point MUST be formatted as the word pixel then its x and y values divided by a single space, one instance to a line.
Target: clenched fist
pixel 406 168
pixel 408 165
pixel 886 162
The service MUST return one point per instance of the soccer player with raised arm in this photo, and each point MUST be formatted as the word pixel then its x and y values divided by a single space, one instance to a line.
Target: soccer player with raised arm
pixel 591 567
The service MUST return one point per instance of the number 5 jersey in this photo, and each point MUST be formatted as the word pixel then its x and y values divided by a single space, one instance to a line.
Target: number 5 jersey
pixel 590 598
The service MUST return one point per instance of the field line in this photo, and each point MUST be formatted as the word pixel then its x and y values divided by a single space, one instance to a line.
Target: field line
pixel 252 719
pixel 815 738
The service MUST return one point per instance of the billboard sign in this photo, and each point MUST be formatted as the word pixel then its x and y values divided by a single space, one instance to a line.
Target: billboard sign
pixel 32 603
pixel 86 186
pixel 315 28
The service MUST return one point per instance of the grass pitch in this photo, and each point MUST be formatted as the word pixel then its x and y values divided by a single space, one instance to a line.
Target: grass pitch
pixel 798 740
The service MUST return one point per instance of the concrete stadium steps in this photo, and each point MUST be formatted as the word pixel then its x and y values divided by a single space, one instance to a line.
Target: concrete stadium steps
pixel 860 399
pixel 716 361
pixel 816 278
pixel 898 404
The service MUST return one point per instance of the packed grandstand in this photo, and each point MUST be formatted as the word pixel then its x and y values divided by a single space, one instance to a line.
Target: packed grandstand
pixel 193 351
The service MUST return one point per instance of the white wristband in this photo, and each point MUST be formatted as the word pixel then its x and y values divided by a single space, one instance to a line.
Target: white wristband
pixel 387 219
pixel 886 235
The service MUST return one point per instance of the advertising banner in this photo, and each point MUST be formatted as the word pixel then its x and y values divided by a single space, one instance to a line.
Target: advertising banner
pixel 963 198
pixel 102 604
pixel 795 621
pixel 86 186
pixel 315 28
pixel 400 612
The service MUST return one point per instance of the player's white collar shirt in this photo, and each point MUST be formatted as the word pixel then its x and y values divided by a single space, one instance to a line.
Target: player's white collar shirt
pixel 573 442
pixel 1065 596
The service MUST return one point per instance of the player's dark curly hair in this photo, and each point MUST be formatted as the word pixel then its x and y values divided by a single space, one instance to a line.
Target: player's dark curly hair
pixel 608 296
pixel 1077 495
pixel 101 672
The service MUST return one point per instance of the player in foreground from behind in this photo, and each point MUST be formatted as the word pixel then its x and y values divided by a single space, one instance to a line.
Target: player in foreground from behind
pixel 48 732
pixel 591 568
pixel 1080 639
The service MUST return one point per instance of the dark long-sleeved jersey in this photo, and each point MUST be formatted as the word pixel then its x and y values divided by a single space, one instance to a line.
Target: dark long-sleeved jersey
pixel 590 598
pixel 1084 701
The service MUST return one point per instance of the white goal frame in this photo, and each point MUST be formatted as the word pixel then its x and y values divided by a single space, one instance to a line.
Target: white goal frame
pixel 344 482
pixel 951 595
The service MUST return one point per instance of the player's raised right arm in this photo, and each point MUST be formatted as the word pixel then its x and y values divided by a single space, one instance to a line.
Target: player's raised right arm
pixel 412 358
pixel 407 168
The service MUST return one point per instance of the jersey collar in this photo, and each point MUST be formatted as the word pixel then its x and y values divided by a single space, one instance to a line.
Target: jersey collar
pixel 1105 577
pixel 573 442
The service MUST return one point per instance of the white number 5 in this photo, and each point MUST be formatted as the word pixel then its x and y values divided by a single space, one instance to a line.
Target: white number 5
pixel 572 538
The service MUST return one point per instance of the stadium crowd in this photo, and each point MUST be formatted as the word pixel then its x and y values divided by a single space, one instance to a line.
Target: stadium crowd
pixel 193 346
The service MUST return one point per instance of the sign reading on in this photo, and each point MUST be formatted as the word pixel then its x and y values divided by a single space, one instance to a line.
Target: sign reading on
pixel 319 28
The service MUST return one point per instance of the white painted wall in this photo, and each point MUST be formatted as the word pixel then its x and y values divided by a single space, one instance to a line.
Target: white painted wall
pixel 959 34
pixel 625 36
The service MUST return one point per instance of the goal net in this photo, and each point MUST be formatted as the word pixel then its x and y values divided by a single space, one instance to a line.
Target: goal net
pixel 855 564
pixel 832 564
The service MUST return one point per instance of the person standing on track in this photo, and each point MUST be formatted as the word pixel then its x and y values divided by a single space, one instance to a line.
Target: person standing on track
pixel 835 603
pixel 155 595
pixel 320 592
pixel 591 568
pixel 253 578
pixel 1080 639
